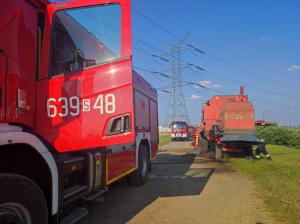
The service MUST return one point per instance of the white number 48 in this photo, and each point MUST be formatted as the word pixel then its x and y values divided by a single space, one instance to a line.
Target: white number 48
pixel 108 105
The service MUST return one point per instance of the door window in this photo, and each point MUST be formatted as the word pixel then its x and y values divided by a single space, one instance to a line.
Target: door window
pixel 85 37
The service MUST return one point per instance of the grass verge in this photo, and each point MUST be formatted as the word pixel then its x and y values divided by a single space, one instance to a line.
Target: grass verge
pixel 278 181
pixel 164 138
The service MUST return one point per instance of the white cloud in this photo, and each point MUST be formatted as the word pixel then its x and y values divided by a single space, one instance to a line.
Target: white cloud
pixel 195 97
pixel 207 83
pixel 204 83
pixel 293 68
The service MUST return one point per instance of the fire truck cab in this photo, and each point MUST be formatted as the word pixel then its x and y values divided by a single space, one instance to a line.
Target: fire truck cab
pixel 180 130
pixel 74 115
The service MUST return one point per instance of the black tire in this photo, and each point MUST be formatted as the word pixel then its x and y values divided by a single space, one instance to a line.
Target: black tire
pixel 21 199
pixel 140 176
pixel 203 145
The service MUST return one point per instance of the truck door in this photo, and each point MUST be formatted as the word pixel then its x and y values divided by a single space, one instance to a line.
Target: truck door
pixel 142 112
pixel 3 72
pixel 86 74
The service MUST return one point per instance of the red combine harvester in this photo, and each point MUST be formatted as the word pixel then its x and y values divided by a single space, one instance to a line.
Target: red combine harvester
pixel 74 116
pixel 227 125
pixel 180 130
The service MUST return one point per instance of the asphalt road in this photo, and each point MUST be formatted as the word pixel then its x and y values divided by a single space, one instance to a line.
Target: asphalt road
pixel 182 188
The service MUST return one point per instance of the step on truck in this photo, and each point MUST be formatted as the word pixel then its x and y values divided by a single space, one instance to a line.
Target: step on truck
pixel 74 115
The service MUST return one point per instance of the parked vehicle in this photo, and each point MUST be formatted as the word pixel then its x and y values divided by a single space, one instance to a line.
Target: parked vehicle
pixel 180 131
pixel 74 115
pixel 227 125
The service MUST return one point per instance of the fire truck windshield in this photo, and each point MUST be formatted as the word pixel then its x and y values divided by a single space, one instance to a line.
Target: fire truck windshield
pixel 178 125
pixel 84 37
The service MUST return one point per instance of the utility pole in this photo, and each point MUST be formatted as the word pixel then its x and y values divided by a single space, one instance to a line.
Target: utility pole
pixel 177 110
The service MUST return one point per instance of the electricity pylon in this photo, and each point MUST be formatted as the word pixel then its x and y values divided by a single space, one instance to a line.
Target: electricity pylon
pixel 177 110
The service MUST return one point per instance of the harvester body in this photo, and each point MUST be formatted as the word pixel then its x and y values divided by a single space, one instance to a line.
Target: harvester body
pixel 228 125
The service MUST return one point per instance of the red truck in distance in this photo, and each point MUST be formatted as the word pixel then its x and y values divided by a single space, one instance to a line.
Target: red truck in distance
pixel 228 125
pixel 75 117
pixel 180 130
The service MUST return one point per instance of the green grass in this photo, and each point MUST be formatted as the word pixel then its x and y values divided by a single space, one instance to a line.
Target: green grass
pixel 164 138
pixel 278 181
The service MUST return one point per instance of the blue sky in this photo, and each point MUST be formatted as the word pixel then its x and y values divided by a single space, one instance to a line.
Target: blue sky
pixel 261 36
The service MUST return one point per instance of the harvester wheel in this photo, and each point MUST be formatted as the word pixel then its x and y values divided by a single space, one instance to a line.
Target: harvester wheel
pixel 218 153
pixel 203 145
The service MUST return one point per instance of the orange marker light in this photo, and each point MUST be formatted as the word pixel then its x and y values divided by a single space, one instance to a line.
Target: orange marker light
pixel 74 168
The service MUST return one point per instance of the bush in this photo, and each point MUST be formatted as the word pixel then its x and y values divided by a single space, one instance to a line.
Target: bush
pixel 280 136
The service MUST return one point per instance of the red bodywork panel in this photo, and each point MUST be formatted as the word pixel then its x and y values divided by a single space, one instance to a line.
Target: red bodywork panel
pixel 18 44
pixel 181 131
pixel 237 116
pixel 146 110
pixel 232 112
pixel 88 129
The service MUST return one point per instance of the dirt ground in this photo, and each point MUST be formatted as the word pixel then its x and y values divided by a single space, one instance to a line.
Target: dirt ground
pixel 182 188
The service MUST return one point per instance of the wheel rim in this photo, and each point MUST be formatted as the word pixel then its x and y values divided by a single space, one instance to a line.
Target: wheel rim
pixel 14 213
pixel 144 165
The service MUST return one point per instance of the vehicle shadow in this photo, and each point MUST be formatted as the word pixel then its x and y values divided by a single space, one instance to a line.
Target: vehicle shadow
pixel 171 176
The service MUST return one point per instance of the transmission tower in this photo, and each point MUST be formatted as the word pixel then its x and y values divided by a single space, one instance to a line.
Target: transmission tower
pixel 177 110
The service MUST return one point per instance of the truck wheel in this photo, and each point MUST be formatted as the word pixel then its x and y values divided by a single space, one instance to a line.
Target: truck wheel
pixel 140 176
pixel 21 201
pixel 203 145
pixel 218 153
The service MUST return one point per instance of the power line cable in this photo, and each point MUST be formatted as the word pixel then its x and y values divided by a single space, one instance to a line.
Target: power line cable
pixel 251 87
pixel 249 72
pixel 225 78
pixel 118 29
pixel 152 55
pixel 167 60
pixel 189 45
pixel 184 81
pixel 205 87
pixel 200 51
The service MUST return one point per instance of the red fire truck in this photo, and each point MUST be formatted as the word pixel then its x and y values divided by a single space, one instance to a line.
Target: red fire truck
pixel 227 125
pixel 180 130
pixel 74 115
